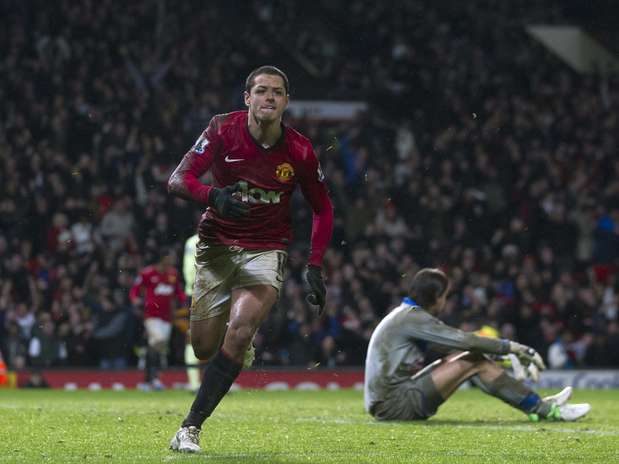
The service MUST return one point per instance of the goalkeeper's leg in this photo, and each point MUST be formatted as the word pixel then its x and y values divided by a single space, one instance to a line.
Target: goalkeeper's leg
pixel 517 394
pixel 491 378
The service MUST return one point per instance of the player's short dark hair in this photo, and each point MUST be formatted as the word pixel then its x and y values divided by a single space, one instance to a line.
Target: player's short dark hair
pixel 272 70
pixel 428 285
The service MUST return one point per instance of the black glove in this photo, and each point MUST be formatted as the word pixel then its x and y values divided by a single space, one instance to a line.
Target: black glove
pixel 313 276
pixel 225 204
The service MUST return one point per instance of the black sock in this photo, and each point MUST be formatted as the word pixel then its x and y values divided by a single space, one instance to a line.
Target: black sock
pixel 218 377
pixel 152 362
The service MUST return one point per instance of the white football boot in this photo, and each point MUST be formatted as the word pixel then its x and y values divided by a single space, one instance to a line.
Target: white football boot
pixel 561 410
pixel 186 440
pixel 560 398
pixel 569 412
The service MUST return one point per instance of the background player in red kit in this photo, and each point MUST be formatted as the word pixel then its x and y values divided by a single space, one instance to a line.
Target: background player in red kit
pixel 160 284
pixel 256 163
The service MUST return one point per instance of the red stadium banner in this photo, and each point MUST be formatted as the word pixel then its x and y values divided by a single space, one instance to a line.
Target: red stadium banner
pixel 249 379
pixel 306 379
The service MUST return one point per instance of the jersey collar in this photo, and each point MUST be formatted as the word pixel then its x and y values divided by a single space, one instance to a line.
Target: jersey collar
pixel 280 140
pixel 409 301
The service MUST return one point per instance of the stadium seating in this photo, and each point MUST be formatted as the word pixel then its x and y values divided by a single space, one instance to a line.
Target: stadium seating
pixel 480 153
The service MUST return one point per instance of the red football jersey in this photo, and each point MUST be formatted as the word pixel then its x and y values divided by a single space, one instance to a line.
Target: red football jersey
pixel 160 288
pixel 269 177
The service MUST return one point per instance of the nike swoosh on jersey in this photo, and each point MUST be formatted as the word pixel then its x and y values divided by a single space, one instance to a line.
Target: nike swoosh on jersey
pixel 232 160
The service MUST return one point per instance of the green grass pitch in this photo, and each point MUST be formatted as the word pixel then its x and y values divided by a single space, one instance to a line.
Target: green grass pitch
pixel 294 427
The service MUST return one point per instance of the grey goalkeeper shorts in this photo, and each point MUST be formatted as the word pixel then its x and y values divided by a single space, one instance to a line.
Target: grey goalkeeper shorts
pixel 414 399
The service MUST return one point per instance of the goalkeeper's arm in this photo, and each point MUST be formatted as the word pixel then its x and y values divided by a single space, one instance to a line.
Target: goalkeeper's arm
pixel 424 326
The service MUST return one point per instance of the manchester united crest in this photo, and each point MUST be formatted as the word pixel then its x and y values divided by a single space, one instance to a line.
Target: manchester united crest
pixel 284 172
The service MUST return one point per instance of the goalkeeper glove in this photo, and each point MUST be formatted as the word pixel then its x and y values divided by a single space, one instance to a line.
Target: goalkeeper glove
pixel 225 204
pixel 533 372
pixel 521 372
pixel 314 278
pixel 527 354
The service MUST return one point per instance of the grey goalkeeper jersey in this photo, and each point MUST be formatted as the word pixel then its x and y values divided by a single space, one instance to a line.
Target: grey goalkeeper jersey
pixel 399 343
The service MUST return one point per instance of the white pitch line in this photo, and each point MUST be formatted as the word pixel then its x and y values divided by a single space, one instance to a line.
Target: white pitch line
pixel 532 428
pixel 498 426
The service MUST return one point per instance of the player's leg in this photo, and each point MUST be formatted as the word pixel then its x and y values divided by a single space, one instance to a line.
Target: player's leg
pixel 149 359
pixel 458 368
pixel 210 308
pixel 162 346
pixel 250 306
pixel 261 268
pixel 210 303
pixel 207 335
pixel 153 336
pixel 206 338
pixel 256 287
pixel 158 337
pixel 492 379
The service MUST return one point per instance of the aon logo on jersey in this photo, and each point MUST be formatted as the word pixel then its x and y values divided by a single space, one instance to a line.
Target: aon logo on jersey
pixel 256 195
pixel 163 289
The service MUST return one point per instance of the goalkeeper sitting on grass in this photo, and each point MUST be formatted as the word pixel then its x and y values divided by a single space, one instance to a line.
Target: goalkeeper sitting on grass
pixel 399 387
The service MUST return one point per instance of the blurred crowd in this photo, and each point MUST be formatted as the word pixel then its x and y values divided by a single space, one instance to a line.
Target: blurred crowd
pixel 480 153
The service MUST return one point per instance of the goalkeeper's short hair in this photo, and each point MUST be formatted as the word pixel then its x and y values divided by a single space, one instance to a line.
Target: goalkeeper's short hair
pixel 428 285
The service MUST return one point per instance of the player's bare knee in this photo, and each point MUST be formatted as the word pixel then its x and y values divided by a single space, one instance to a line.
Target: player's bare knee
pixel 486 365
pixel 473 363
pixel 240 336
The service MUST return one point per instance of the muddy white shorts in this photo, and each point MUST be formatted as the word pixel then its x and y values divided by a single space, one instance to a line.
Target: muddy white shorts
pixel 222 268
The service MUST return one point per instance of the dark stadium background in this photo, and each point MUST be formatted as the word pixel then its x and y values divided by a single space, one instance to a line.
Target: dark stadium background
pixel 480 152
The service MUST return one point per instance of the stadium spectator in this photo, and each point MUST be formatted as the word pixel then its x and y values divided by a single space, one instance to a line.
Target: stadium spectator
pixel 117 226
pixel 46 348
pixel 109 334
pixel 476 136
pixel 36 380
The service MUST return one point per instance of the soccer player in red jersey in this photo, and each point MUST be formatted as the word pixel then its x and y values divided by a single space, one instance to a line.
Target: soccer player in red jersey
pixel 256 163
pixel 160 284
